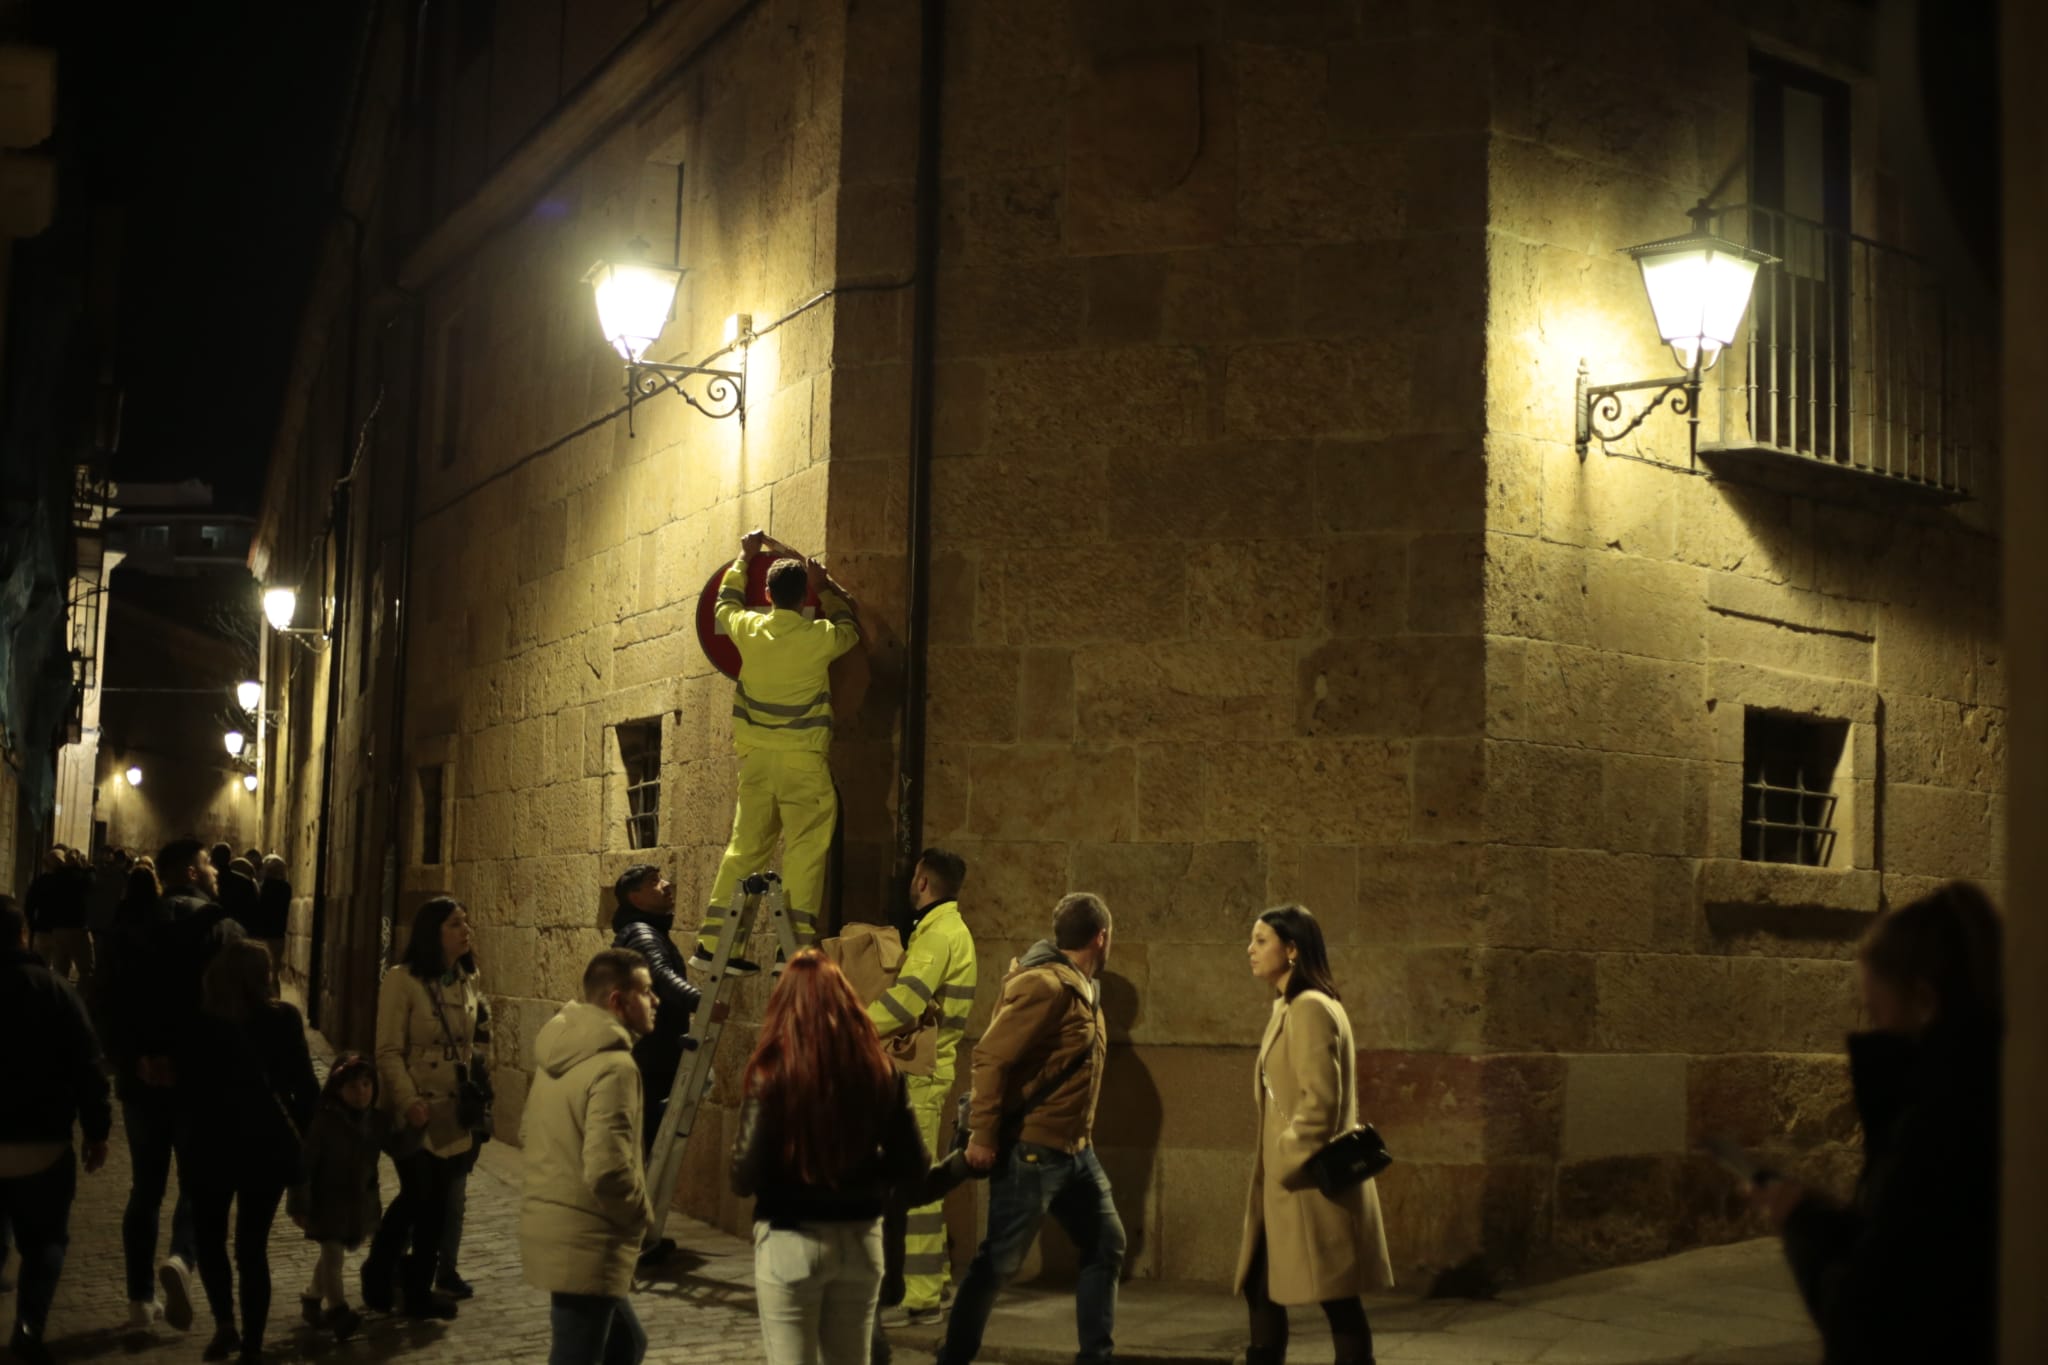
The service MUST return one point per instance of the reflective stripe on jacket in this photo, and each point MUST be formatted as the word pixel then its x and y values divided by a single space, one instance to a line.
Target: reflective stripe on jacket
pixel 938 965
pixel 783 699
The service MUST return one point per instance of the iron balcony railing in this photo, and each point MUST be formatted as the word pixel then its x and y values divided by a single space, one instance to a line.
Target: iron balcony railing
pixel 1852 359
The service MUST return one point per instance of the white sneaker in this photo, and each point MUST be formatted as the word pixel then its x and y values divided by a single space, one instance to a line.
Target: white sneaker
pixel 144 1314
pixel 176 1278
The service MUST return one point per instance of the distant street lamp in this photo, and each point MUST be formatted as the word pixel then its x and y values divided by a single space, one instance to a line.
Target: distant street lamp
pixel 249 694
pixel 1699 286
pixel 234 741
pixel 134 776
pixel 634 303
pixel 248 782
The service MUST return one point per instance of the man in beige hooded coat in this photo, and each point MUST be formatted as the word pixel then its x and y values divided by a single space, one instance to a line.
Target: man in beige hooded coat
pixel 586 1205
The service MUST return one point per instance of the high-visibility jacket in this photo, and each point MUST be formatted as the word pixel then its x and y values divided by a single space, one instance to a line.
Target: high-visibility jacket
pixel 783 699
pixel 938 966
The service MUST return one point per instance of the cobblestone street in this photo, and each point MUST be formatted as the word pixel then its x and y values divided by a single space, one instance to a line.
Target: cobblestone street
pixel 701 1309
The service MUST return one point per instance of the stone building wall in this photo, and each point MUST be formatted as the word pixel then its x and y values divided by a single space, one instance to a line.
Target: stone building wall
pixel 1643 983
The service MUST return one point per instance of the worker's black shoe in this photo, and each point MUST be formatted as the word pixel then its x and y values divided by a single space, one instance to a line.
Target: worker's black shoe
pixel 734 966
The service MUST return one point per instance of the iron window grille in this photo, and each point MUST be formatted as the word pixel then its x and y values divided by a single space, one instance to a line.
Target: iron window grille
pixel 1789 799
pixel 640 753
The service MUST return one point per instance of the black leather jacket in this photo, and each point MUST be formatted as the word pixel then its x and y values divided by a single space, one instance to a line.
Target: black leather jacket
pixel 898 1162
pixel 647 935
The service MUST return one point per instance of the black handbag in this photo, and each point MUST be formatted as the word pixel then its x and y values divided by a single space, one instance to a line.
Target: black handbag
pixel 1350 1160
pixel 474 1094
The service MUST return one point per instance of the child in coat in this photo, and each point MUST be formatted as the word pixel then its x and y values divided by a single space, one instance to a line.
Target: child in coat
pixel 336 1202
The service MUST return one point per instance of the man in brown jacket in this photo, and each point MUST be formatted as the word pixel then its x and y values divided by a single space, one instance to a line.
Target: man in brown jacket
pixel 1037 1072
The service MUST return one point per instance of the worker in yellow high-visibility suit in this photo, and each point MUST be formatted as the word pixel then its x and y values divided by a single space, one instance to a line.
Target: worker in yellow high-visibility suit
pixel 781 729
pixel 935 980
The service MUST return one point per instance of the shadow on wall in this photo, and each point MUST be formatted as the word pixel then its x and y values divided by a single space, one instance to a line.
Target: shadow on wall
pixel 1132 1163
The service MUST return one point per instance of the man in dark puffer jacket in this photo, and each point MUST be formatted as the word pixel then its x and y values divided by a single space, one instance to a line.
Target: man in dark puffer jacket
pixel 646 914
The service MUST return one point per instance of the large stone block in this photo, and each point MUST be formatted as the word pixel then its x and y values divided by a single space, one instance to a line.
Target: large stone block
pixel 1611 504
pixel 1180 893
pixel 1330 192
pixel 1010 891
pixel 1536 590
pixel 1201 1212
pixel 1788 649
pixel 1929 742
pixel 1337 791
pixel 1170 791
pixel 1429 1105
pixel 1513 908
pixel 1137 396
pixel 1430 482
pixel 1225 1076
pixel 1417 84
pixel 1126 299
pixel 1539 794
pixel 1656 805
pixel 992 309
pixel 1409 685
pixel 1618 1209
pixel 1045 694
pixel 1445 583
pixel 1540 1000
pixel 1070 595
pixel 973 695
pixel 1609 902
pixel 1937 832
pixel 1925 651
pixel 1256 488
pixel 1254 590
pixel 1524 1097
pixel 1449 791
pixel 1433 1214
pixel 1427 283
pixel 1360 387
pixel 1183 691
pixel 1231 294
pixel 1052 792
pixel 1685 1003
pixel 1206 995
pixel 1446 999
pixel 1632 1105
pixel 1365 585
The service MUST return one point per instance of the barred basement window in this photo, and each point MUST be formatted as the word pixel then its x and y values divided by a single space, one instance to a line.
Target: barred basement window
pixel 1789 793
pixel 430 814
pixel 640 751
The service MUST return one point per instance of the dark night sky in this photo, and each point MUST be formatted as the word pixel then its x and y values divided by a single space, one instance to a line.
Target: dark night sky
pixel 214 127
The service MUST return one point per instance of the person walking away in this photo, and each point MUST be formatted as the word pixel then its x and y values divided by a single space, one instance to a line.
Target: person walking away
pixel 237 888
pixel 246 1094
pixel 646 913
pixel 1037 1074
pixel 781 730
pixel 50 1073
pixel 426 1020
pixel 826 1135
pixel 273 914
pixel 934 988
pixel 586 1207
pixel 190 930
pixel 335 1203
pixel 1907 1269
pixel 56 905
pixel 1300 1245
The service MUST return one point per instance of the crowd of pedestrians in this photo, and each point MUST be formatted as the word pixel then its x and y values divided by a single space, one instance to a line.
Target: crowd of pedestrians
pixel 834 1144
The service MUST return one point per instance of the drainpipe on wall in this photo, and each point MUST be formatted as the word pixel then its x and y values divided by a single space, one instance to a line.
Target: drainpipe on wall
pixel 400 669
pixel 910 761
pixel 338 635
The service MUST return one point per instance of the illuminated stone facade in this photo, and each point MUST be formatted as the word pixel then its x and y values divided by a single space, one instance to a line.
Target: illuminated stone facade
pixel 1262 567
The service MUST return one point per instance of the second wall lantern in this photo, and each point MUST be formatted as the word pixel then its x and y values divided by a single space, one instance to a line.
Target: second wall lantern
pixel 635 301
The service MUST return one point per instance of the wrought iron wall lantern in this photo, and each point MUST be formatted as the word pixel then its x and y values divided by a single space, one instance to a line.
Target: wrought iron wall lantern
pixel 280 605
pixel 634 302
pixel 1699 287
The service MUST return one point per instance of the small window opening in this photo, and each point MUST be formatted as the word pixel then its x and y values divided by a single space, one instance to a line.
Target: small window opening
pixel 640 752
pixel 1790 796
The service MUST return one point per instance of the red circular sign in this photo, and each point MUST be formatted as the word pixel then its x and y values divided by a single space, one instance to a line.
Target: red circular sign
pixel 724 655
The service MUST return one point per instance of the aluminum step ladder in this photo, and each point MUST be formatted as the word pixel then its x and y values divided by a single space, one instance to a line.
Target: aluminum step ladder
pixel 762 891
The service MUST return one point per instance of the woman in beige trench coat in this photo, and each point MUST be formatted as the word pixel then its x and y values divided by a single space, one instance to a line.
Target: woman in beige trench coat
pixel 1301 1245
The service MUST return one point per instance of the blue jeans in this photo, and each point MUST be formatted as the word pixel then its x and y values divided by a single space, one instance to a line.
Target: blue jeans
pixel 38 1207
pixel 591 1329
pixel 1029 1183
pixel 148 1119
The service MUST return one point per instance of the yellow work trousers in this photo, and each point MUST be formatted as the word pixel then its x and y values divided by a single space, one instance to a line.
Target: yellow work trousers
pixel 786 792
pixel 925 1268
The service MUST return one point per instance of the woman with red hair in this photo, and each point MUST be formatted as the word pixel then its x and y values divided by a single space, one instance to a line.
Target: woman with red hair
pixel 826 1132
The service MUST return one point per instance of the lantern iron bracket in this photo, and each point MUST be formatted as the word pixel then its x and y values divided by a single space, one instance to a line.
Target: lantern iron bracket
pixel 1599 404
pixel 725 391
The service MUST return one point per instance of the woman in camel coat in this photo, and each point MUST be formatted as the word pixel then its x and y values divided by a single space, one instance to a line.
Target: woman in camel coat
pixel 1301 1245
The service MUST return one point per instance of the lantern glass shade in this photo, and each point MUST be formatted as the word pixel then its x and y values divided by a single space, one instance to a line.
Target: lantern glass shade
pixel 1699 287
pixel 279 606
pixel 634 302
pixel 134 776
pixel 234 741
pixel 249 694
pixel 248 782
